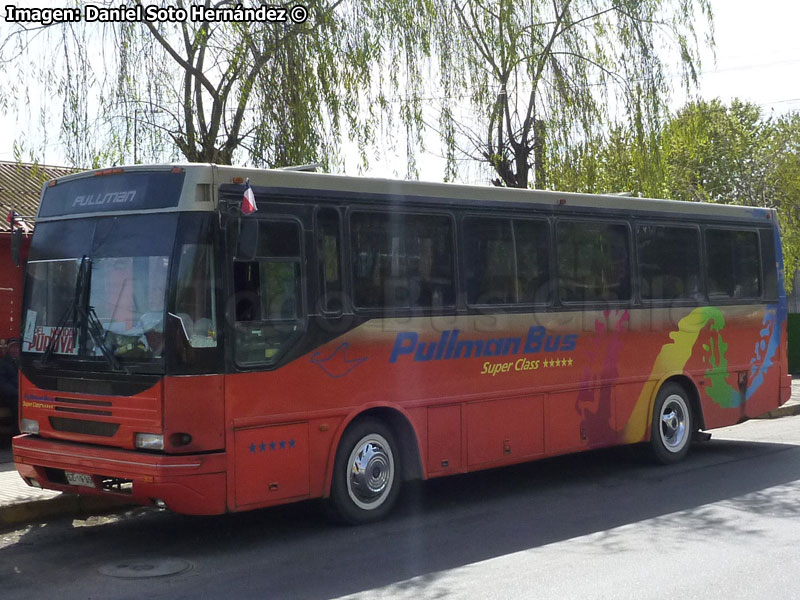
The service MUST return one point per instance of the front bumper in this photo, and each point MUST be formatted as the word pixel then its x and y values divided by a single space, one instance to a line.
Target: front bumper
pixel 189 484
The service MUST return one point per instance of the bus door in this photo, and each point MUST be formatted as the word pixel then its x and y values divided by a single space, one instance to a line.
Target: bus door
pixel 266 318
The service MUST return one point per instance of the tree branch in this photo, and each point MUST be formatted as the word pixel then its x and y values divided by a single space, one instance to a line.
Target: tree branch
pixel 178 58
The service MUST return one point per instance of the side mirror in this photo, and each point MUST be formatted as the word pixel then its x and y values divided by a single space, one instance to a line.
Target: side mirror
pixel 247 243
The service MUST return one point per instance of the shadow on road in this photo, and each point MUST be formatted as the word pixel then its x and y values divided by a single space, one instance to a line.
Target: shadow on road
pixel 440 524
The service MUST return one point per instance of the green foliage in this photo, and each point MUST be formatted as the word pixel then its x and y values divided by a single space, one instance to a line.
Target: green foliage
pixel 259 93
pixel 715 153
pixel 613 163
pixel 783 179
pixel 736 155
pixel 706 152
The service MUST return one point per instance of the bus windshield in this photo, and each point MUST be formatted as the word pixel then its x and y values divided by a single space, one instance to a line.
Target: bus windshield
pixel 129 263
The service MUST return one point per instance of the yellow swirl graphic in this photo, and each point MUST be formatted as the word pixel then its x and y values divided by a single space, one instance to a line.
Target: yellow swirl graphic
pixel 671 359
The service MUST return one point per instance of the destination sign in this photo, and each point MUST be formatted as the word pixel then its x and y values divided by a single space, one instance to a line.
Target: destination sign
pixel 123 191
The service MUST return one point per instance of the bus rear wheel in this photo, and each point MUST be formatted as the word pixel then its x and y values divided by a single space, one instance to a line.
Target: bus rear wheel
pixel 672 426
pixel 366 473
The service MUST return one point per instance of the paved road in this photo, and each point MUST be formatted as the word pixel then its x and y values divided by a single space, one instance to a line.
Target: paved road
pixel 723 524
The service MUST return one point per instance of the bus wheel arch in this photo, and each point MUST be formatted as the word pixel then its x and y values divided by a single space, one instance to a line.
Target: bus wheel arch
pixel 690 387
pixel 675 416
pixel 383 440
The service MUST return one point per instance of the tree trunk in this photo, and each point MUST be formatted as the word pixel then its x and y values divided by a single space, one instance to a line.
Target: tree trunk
pixel 539 169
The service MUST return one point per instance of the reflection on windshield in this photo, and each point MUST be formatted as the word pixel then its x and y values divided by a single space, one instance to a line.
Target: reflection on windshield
pixel 52 284
pixel 129 259
pixel 127 294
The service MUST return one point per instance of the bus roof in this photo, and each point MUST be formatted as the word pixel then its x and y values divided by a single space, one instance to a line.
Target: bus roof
pixel 403 190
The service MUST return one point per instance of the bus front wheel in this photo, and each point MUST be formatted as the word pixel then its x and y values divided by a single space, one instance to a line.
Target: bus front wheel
pixel 672 426
pixel 366 473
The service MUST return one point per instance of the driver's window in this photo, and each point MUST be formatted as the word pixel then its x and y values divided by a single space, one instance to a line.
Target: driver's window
pixel 267 287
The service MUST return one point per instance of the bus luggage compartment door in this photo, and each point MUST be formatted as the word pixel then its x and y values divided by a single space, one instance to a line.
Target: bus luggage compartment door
pixel 271 463
pixel 504 430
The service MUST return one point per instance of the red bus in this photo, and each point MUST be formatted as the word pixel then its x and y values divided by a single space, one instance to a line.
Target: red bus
pixel 355 333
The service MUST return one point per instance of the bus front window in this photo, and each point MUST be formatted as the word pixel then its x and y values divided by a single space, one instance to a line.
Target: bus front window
pixel 129 258
pixel 128 296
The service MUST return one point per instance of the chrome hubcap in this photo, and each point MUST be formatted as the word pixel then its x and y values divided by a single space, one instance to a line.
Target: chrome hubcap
pixel 371 472
pixel 674 419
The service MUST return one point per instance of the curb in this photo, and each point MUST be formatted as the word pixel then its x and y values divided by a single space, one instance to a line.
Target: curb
pixel 70 505
pixel 787 410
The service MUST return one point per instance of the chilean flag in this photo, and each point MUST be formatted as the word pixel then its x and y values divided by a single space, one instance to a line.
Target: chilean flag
pixel 249 200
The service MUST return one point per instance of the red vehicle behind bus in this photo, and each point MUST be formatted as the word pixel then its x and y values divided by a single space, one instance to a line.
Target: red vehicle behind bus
pixel 354 333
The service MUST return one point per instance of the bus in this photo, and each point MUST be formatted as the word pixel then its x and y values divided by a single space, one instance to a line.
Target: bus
pixel 352 334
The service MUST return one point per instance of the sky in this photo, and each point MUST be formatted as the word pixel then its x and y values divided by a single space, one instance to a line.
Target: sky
pixel 758 54
pixel 757 60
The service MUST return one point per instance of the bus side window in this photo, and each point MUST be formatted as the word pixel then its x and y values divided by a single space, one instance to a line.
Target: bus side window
pixel 267 293
pixel 329 256
pixel 593 262
pixel 506 262
pixel 402 261
pixel 669 262
pixel 733 263
pixel 490 261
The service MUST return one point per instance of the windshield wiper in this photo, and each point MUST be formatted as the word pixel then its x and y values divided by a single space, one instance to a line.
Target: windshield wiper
pixel 84 319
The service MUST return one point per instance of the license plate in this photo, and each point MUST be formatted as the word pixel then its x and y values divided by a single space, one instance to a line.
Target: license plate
pixel 79 479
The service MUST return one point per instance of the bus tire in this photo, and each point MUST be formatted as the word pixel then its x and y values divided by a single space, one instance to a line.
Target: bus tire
pixel 366 473
pixel 672 425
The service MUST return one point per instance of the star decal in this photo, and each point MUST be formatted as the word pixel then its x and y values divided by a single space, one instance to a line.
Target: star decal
pixel 550 363
pixel 272 445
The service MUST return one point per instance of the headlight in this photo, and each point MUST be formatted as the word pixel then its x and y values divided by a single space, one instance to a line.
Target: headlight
pixel 149 441
pixel 29 426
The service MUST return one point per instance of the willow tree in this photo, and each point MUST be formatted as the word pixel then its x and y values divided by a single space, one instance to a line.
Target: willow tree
pixel 512 77
pixel 264 93
pixel 555 72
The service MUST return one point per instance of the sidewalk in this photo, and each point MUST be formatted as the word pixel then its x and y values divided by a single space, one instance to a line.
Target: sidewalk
pixel 20 503
pixel 792 405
